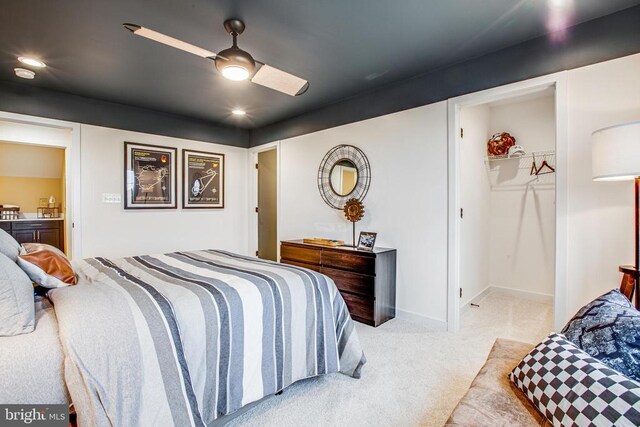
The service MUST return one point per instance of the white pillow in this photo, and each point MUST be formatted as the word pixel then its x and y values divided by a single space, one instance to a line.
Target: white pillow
pixel 9 246
pixel 17 306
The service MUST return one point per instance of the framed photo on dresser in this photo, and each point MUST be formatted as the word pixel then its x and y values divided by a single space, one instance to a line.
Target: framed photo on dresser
pixel 202 180
pixel 149 176
pixel 367 240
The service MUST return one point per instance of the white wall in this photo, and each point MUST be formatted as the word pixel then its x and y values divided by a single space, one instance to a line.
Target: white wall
pixel 522 220
pixel 406 204
pixel 475 199
pixel 108 230
pixel 34 134
pixel 601 230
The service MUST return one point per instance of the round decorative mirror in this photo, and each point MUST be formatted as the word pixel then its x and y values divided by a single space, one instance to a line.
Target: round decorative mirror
pixel 344 174
pixel 344 177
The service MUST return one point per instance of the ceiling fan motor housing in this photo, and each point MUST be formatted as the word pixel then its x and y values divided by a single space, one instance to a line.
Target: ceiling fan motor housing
pixel 234 56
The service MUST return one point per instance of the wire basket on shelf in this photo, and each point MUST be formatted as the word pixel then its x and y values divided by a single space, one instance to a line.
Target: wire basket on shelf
pixel 9 212
pixel 49 212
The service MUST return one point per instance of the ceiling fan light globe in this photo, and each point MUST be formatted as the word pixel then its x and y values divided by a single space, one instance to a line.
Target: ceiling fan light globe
pixel 235 73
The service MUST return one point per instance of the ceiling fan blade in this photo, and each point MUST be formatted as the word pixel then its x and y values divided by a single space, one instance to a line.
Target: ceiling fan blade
pixel 168 40
pixel 279 80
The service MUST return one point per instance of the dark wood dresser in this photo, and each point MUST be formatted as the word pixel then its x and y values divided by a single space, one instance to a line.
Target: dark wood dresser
pixel 48 231
pixel 366 280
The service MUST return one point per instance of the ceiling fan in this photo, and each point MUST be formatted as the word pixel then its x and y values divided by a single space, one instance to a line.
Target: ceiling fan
pixel 233 63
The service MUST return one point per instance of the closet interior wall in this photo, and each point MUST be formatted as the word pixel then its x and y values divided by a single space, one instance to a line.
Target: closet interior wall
pixel 508 228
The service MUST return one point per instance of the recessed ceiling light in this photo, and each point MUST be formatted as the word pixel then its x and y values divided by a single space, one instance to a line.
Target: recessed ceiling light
pixel 239 112
pixel 31 61
pixel 24 73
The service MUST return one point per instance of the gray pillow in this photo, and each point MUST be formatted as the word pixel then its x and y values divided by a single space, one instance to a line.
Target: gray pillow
pixel 8 246
pixel 17 305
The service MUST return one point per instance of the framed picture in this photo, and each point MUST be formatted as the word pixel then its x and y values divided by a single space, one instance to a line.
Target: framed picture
pixel 149 176
pixel 202 180
pixel 367 240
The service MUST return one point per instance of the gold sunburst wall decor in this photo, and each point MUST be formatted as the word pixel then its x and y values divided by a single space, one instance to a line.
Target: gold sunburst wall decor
pixel 354 211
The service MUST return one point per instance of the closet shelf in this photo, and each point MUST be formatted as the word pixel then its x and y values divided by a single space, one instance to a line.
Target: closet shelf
pixel 536 168
pixel 533 155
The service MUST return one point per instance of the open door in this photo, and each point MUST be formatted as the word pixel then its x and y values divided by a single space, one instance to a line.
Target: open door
pixel 267 205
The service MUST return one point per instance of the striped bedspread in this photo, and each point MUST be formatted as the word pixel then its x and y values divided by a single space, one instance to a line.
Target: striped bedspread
pixel 187 337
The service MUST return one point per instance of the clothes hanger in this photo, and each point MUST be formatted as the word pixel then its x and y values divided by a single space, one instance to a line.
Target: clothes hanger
pixel 545 165
pixel 535 170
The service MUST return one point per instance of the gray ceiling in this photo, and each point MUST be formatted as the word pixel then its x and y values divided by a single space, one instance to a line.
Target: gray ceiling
pixel 343 47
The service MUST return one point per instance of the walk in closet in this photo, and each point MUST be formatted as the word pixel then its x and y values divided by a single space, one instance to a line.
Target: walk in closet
pixel 507 195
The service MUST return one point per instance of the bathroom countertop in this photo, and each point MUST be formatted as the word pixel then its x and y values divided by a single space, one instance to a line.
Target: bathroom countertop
pixel 32 217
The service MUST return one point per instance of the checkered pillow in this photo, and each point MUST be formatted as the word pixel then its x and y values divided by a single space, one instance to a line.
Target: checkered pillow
pixel 569 387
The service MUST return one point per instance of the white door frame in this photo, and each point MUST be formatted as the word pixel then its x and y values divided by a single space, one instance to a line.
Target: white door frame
pixel 559 82
pixel 253 194
pixel 73 228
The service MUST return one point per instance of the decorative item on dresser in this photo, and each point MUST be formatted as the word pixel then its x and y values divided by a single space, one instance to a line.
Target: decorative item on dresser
pixel 366 279
pixel 367 240
pixel 354 211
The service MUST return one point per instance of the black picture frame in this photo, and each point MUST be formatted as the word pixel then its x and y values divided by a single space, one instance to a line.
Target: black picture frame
pixel 160 184
pixel 202 172
pixel 367 241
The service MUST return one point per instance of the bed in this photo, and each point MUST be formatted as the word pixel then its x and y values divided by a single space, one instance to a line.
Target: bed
pixel 186 338
pixel 31 365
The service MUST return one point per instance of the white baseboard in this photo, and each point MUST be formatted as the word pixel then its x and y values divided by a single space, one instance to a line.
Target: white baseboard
pixel 528 295
pixel 428 322
pixel 476 299
pixel 491 289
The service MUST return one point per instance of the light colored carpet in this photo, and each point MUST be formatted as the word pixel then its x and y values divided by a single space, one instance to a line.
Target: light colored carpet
pixel 413 377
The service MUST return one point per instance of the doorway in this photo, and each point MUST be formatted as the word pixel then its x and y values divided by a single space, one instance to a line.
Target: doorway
pixel 33 187
pixel 507 222
pixel 57 144
pixel 460 299
pixel 267 208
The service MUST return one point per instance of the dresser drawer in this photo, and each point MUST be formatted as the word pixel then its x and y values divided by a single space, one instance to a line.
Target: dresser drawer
pixel 366 280
pixel 361 308
pixel 313 267
pixel 35 225
pixel 349 261
pixel 352 282
pixel 6 226
pixel 304 255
